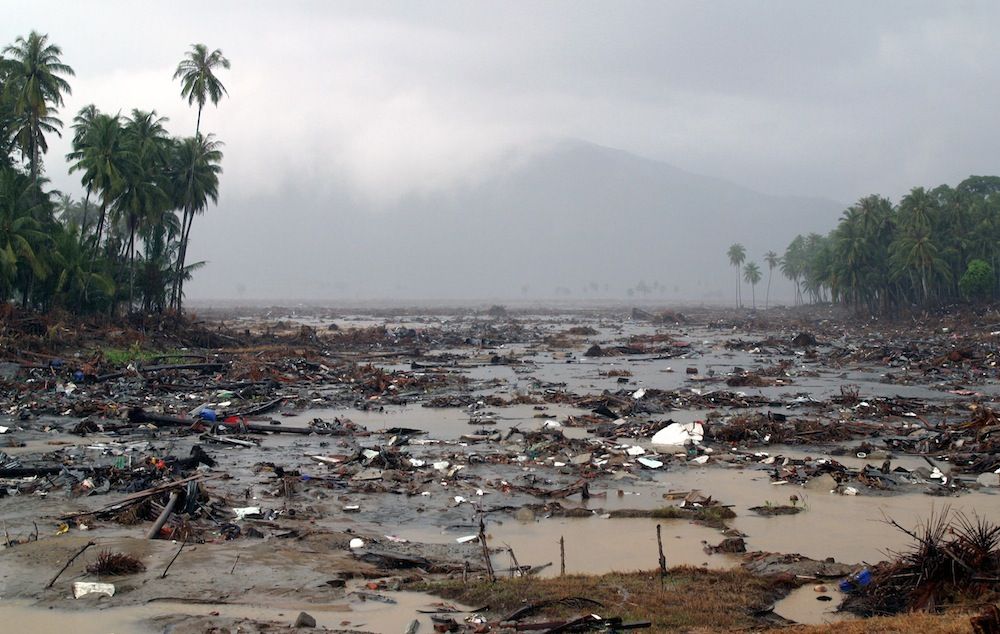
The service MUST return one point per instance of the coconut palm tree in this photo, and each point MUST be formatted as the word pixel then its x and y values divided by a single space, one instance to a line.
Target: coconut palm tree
pixel 195 168
pixel 22 235
pixel 35 84
pixel 104 156
pixel 737 254
pixel 81 124
pixel 198 81
pixel 772 260
pixel 144 193
pixel 752 275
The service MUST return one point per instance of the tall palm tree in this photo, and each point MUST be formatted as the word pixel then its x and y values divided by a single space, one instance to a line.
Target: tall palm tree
pixel 737 254
pixel 103 155
pixel 144 192
pixel 198 81
pixel 752 275
pixel 196 173
pixel 81 124
pixel 35 84
pixel 772 260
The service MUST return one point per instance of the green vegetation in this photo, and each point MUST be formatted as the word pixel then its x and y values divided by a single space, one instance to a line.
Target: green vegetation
pixel 123 247
pixel 978 280
pixel 933 247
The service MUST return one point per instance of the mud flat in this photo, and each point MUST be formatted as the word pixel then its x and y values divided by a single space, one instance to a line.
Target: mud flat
pixel 331 462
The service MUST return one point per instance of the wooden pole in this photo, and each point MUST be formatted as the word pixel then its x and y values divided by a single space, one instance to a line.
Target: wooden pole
pixel 486 551
pixel 562 556
pixel 663 560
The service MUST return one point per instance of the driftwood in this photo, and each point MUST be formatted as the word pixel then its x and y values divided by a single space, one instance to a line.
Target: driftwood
pixel 154 530
pixel 137 497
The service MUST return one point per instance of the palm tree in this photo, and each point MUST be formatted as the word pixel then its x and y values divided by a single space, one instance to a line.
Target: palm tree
pixel 793 264
pixel 103 155
pixel 22 235
pixel 196 172
pixel 198 81
pixel 144 192
pixel 737 254
pixel 81 124
pixel 772 260
pixel 752 275
pixel 35 84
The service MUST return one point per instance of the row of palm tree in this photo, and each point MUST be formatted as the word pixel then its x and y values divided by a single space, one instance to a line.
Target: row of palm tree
pixel 125 243
pixel 751 272
pixel 934 246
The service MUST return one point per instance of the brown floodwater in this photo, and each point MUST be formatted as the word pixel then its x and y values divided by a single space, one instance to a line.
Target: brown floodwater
pixel 373 616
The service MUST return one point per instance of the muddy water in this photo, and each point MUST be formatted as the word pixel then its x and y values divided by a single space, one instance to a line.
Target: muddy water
pixel 852 529
pixel 373 616
pixel 803 605
pixel 595 545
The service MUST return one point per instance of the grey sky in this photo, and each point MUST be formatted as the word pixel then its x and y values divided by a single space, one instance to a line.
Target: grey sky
pixel 378 101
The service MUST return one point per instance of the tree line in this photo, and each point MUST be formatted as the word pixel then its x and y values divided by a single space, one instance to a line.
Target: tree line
pixel 123 246
pixel 935 246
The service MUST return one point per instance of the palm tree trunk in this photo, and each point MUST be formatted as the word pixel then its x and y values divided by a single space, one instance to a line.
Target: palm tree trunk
pixel 767 297
pixel 131 269
pixel 183 256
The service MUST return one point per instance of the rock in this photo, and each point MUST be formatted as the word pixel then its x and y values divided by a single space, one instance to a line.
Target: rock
pixel 729 545
pixel 989 479
pixel 305 620
pixel 824 483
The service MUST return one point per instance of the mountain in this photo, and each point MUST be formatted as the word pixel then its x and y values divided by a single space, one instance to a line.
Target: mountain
pixel 573 219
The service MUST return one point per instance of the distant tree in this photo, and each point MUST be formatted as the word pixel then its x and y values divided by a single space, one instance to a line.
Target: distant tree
pixel 737 254
pixel 772 260
pixel 752 275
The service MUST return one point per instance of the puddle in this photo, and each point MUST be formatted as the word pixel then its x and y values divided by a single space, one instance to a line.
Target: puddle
pixel 852 529
pixel 595 545
pixel 803 605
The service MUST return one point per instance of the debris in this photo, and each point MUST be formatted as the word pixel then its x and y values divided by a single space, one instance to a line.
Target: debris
pixel 84 588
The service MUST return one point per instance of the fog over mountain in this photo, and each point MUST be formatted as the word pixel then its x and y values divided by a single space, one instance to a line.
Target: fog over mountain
pixel 449 149
pixel 559 219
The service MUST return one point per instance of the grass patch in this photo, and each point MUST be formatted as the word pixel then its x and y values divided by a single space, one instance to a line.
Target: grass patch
pixel 690 597
pixel 138 354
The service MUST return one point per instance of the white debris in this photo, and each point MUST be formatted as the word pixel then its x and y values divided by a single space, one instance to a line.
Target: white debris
pixel 83 588
pixel 241 513
pixel 679 434
pixel 357 543
pixel 650 463
pixel 639 393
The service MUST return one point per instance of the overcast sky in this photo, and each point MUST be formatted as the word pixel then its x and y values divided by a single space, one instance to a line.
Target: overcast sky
pixel 384 99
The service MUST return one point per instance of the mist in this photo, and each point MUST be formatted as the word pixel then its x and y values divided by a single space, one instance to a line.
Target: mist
pixel 583 150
